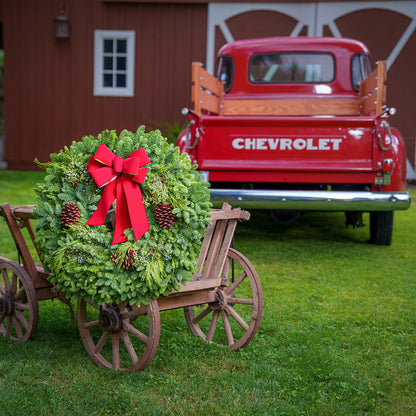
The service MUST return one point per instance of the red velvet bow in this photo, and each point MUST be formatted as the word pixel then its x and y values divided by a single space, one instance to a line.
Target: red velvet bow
pixel 120 178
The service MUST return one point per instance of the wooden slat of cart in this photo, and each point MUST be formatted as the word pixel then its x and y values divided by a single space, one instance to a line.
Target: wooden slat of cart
pixel 19 240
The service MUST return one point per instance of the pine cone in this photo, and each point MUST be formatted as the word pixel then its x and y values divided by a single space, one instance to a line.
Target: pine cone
pixel 164 216
pixel 128 262
pixel 70 214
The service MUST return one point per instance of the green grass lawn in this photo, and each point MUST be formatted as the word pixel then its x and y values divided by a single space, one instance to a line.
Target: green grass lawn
pixel 338 335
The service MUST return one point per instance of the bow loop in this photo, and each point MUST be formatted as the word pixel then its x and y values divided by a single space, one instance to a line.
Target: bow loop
pixel 120 178
pixel 131 166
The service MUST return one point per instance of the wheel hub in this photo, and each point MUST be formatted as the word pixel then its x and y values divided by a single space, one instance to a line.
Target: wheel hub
pixel 110 318
pixel 6 305
pixel 220 301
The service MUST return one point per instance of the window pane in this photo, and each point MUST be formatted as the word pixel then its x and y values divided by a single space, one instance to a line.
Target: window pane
pixel 108 80
pixel 108 63
pixel 121 63
pixel 121 45
pixel 108 45
pixel 121 80
pixel 292 67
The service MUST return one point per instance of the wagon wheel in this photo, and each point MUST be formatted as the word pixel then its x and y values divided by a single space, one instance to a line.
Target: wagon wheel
pixel 119 336
pixel 234 318
pixel 19 313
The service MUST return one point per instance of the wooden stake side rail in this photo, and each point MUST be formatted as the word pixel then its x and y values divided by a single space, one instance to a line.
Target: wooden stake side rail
pixel 207 91
pixel 208 96
pixel 373 91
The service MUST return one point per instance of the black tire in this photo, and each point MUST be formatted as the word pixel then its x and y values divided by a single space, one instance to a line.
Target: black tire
pixel 285 216
pixel 381 227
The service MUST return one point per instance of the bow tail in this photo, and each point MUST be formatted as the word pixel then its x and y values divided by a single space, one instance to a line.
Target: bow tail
pixel 122 217
pixel 133 200
pixel 107 198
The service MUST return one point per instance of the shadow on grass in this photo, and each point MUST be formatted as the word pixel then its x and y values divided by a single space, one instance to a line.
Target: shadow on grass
pixel 319 226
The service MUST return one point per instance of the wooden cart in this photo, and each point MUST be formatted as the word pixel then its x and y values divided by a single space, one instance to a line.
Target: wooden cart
pixel 223 303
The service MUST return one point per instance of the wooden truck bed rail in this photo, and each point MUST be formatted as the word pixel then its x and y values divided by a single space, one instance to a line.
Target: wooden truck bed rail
pixel 373 90
pixel 208 96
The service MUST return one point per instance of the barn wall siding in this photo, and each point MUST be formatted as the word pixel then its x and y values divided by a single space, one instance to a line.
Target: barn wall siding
pixel 49 81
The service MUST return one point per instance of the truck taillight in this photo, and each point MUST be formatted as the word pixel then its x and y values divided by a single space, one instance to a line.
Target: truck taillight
pixel 387 165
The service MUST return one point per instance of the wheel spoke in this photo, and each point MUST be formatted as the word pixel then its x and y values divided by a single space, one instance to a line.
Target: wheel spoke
pixel 8 327
pixel 20 294
pixel 129 347
pixel 237 317
pixel 227 328
pixel 202 315
pixel 21 318
pixel 17 327
pixel 13 286
pixel 134 313
pixel 91 324
pixel 134 331
pixel 212 326
pixel 116 351
pixel 6 281
pixel 21 306
pixel 236 282
pixel 101 342
pixel 240 301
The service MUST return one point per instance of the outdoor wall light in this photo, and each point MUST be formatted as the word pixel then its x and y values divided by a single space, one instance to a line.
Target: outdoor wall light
pixel 61 24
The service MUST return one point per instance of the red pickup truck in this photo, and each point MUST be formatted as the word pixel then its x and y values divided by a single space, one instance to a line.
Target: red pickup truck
pixel 298 124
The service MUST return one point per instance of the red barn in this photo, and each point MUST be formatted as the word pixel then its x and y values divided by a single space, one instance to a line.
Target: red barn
pixel 117 64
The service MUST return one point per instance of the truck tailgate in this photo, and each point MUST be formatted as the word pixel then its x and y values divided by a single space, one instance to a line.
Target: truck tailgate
pixel 276 144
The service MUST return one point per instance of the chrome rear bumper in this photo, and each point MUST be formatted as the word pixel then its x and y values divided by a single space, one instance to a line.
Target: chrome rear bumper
pixel 312 200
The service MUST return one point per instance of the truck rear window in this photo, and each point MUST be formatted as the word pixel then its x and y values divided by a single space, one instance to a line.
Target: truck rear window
pixel 292 67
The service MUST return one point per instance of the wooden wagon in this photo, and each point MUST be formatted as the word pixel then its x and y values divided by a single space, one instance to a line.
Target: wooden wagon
pixel 223 303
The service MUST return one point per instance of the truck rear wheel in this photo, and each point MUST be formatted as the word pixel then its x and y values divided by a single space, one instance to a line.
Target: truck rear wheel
pixel 285 216
pixel 381 227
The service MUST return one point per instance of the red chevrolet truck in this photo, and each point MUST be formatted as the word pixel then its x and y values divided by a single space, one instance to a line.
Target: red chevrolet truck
pixel 292 125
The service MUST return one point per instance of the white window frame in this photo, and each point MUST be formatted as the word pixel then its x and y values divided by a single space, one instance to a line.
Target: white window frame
pixel 113 91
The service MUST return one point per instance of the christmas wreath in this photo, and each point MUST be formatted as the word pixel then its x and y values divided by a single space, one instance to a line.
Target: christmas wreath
pixel 161 212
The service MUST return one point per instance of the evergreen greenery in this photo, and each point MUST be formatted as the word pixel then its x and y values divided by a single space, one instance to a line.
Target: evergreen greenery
pixel 79 257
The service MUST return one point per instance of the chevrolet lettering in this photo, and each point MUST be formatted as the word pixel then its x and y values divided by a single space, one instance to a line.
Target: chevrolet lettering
pixel 298 124
pixel 271 143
